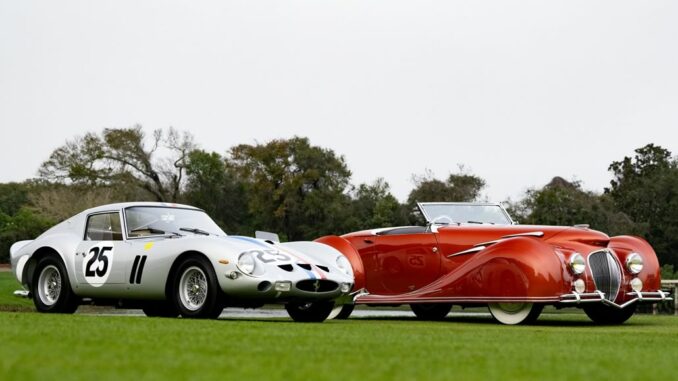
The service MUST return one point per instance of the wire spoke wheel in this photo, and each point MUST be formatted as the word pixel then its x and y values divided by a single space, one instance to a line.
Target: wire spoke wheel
pixel 193 288
pixel 49 285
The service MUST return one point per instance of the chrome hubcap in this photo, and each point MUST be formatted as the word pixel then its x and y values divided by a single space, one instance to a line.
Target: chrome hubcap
pixel 193 288
pixel 49 285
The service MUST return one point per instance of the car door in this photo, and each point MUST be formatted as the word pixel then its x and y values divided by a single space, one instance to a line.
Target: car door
pixel 401 262
pixel 100 260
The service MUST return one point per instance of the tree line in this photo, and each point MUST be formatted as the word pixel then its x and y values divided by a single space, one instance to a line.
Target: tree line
pixel 302 191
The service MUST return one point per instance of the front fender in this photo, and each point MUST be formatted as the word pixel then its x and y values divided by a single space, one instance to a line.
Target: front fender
pixel 651 273
pixel 343 246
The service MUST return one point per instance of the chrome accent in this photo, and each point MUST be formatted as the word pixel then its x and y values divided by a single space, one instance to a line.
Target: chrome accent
pixel 599 297
pixel 607 273
pixel 488 243
pixel 468 251
pixel 526 234
pixel 634 257
pixel 581 226
pixel 22 293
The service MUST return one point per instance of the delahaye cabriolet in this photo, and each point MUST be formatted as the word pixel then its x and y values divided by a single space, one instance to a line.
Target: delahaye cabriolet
pixel 473 254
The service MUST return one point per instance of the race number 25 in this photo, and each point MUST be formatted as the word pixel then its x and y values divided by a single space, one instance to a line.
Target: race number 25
pixel 98 263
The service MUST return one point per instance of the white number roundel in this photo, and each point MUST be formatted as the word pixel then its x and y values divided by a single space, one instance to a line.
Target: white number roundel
pixel 96 267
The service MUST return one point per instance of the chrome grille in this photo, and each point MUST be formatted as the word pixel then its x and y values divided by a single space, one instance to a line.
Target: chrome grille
pixel 606 273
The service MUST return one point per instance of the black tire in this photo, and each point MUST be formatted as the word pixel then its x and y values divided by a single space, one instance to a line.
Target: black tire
pixel 204 302
pixel 431 311
pixel 602 314
pixel 315 312
pixel 47 299
pixel 345 312
pixel 160 309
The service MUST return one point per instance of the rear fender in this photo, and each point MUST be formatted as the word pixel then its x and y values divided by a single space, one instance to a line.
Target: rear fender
pixel 343 246
pixel 520 267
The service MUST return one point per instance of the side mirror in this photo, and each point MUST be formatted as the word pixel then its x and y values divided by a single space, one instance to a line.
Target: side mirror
pixel 266 236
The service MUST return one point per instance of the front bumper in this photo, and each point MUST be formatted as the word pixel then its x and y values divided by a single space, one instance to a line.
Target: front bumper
pixel 599 297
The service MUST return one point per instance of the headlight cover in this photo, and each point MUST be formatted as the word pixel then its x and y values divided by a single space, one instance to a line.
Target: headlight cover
pixel 344 265
pixel 577 264
pixel 247 263
pixel 634 263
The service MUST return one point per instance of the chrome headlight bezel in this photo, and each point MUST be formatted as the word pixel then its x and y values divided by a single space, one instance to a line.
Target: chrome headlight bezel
pixel 344 265
pixel 577 264
pixel 247 264
pixel 634 263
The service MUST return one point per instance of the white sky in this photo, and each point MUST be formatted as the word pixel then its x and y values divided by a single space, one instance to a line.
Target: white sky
pixel 518 92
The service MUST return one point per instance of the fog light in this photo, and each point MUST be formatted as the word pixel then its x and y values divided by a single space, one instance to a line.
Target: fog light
pixel 283 286
pixel 345 287
pixel 636 284
pixel 233 275
pixel 579 286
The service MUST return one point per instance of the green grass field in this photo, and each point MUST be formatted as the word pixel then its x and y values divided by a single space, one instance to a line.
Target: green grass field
pixel 559 347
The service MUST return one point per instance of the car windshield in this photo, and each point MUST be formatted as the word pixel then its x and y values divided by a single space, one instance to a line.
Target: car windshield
pixel 145 221
pixel 464 213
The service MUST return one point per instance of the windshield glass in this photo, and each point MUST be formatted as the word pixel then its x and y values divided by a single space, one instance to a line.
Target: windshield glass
pixel 145 221
pixel 464 213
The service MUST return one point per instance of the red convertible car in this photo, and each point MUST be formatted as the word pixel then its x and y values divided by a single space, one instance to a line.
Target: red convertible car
pixel 474 255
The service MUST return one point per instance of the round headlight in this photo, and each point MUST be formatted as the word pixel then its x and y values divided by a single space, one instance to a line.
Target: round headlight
pixel 246 263
pixel 577 264
pixel 344 265
pixel 634 263
pixel 636 284
pixel 579 286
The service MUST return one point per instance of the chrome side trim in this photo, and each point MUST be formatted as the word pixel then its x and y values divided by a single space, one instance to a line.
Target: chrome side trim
pixel 526 234
pixel 472 250
pixel 488 243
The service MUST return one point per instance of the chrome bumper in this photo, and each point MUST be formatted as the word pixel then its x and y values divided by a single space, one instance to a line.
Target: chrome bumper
pixel 599 297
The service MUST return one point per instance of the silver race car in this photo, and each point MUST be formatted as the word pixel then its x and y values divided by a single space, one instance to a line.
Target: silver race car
pixel 173 260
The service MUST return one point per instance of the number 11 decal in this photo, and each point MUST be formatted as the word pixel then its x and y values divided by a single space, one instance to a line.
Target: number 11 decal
pixel 137 269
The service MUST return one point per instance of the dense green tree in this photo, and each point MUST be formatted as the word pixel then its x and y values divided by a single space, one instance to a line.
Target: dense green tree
pixel 294 188
pixel 459 187
pixel 562 202
pixel 374 206
pixel 646 188
pixel 218 190
pixel 12 197
pixel 25 224
pixel 123 157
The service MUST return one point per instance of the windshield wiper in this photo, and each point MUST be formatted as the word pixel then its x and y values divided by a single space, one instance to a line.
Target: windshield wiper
pixel 479 223
pixel 194 230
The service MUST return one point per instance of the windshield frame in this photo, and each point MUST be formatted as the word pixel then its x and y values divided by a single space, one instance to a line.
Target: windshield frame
pixel 421 206
pixel 166 234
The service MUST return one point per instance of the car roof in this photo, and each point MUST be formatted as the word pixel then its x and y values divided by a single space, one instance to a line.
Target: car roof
pixel 123 205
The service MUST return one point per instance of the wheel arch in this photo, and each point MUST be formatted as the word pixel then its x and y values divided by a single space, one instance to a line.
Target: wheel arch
pixel 175 265
pixel 345 247
pixel 28 271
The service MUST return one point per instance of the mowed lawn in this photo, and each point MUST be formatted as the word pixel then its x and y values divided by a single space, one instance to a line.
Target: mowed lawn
pixel 566 347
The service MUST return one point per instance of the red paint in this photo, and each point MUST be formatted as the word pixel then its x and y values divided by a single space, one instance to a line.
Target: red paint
pixel 412 268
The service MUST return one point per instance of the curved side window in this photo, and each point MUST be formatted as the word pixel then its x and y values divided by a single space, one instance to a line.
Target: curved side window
pixel 103 227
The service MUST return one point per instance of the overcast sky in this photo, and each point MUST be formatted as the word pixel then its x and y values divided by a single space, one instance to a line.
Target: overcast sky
pixel 518 92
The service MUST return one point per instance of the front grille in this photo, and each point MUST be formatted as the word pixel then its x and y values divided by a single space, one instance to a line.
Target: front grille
pixel 318 285
pixel 606 273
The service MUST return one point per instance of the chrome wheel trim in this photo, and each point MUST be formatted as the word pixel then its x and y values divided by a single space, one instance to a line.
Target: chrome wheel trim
pixel 510 313
pixel 193 288
pixel 49 285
